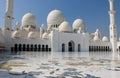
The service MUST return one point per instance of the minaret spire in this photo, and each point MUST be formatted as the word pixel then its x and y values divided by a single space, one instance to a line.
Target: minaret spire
pixel 9 14
pixel 113 30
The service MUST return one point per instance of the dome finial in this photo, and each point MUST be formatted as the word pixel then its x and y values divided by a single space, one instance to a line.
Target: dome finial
pixel 78 17
pixel 56 8
pixel 29 11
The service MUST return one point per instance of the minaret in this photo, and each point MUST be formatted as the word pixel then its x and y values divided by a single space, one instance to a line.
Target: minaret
pixel 9 14
pixel 113 30
pixel 8 23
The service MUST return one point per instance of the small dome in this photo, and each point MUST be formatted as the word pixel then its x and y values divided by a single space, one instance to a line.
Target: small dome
pixel 79 23
pixel 91 36
pixel 29 20
pixel 31 35
pixel 16 34
pixel 96 38
pixel 43 27
pixel 65 27
pixel 55 17
pixel 79 30
pixel 105 39
pixel 45 36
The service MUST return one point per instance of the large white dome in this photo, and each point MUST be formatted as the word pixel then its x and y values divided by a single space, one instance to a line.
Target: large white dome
pixel 65 27
pixel 29 20
pixel 55 17
pixel 79 23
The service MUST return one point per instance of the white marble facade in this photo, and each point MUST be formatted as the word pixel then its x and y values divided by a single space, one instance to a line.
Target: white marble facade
pixel 57 36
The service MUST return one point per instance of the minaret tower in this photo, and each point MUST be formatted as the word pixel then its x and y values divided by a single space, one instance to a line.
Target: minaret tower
pixel 8 23
pixel 113 30
pixel 9 14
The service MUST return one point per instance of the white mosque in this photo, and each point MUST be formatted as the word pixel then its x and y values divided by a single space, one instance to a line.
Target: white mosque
pixel 58 36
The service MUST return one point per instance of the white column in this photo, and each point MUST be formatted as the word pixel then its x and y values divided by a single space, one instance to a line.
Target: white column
pixel 113 30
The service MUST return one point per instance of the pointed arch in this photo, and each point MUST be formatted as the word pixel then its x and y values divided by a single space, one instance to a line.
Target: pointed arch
pixel 63 47
pixel 71 46
pixel 79 48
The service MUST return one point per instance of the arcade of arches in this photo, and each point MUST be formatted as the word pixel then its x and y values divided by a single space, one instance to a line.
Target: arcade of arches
pixel 46 48
pixel 99 48
pixel 30 47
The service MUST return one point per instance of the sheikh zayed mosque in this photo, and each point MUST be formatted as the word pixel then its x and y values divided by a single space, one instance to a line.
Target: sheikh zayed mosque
pixel 57 36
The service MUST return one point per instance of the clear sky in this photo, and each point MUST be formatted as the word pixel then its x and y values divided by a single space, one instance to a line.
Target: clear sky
pixel 93 12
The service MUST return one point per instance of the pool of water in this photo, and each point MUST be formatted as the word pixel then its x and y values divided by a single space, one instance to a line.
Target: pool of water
pixel 91 65
pixel 61 55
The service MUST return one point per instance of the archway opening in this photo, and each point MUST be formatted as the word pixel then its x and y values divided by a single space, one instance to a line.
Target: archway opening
pixel 79 48
pixel 63 47
pixel 71 46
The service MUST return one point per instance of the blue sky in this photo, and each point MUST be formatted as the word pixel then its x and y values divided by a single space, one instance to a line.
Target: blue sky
pixel 93 12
